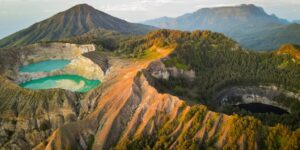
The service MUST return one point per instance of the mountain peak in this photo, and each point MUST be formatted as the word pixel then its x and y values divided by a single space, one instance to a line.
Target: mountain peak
pixel 81 8
pixel 249 5
pixel 237 22
pixel 238 9
pixel 77 20
pixel 253 8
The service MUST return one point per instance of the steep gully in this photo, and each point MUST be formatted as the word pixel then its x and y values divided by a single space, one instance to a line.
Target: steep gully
pixel 127 107
pixel 124 107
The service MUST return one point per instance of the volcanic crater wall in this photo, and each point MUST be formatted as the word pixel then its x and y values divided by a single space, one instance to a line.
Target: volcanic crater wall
pixel 28 117
pixel 79 64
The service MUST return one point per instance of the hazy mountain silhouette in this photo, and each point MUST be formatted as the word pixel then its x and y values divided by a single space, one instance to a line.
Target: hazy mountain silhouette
pixel 74 21
pixel 239 22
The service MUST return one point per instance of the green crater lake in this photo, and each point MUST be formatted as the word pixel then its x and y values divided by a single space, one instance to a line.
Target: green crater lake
pixel 45 66
pixel 69 82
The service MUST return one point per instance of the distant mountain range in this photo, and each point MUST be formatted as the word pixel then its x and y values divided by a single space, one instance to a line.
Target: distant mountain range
pixel 250 25
pixel 74 21
pixel 296 21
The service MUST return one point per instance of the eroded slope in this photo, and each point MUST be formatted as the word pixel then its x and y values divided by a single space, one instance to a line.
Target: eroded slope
pixel 128 112
pixel 28 117
pixel 132 114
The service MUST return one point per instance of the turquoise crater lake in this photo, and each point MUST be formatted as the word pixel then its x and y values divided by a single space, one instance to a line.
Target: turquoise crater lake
pixel 45 66
pixel 69 82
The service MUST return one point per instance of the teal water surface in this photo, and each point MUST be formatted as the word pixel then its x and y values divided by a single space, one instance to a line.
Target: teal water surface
pixel 69 82
pixel 45 66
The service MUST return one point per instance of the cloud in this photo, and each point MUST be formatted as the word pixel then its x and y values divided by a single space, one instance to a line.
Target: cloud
pixel 125 7
pixel 47 11
pixel 3 12
pixel 215 5
pixel 161 1
pixel 136 5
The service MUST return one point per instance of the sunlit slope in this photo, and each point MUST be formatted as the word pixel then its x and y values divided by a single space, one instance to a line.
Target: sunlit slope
pixel 132 114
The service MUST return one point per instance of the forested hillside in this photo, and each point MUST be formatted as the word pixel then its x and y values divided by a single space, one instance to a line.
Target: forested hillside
pixel 219 62
pixel 146 112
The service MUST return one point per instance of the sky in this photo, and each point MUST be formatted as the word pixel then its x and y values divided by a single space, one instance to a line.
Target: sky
pixel 19 14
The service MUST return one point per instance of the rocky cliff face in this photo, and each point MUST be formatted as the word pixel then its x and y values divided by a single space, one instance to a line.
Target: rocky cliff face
pixel 130 113
pixel 28 117
pixel 255 94
pixel 12 59
pixel 144 114
pixel 126 112
pixel 79 64
pixel 158 70
pixel 45 51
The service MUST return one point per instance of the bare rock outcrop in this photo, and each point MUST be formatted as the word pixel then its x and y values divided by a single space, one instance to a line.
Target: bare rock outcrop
pixel 130 109
pixel 254 94
pixel 158 70
pixel 28 117
pixel 79 64
pixel 125 109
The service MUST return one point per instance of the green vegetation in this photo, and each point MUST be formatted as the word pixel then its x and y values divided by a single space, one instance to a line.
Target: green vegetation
pixel 219 63
pixel 289 102
pixel 217 69
pixel 91 140
pixel 243 133
pixel 250 129
pixel 176 62
pixel 105 40
pixel 44 126
pixel 163 138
